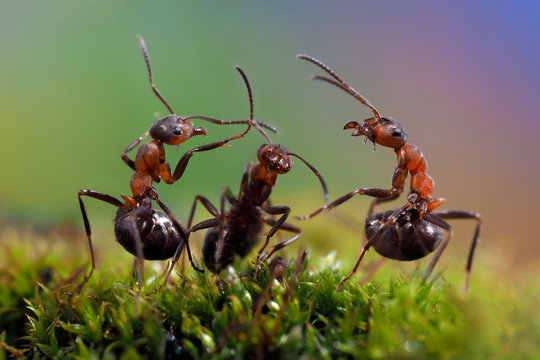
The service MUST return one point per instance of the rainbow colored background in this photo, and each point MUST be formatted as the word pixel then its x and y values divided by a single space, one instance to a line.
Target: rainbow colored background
pixel 463 77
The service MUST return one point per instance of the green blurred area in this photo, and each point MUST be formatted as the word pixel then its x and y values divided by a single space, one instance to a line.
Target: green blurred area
pixel 77 94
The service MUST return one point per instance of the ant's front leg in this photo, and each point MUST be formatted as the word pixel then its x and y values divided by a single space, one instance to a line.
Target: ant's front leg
pixel 182 164
pixel 132 146
pixel 103 197
pixel 374 192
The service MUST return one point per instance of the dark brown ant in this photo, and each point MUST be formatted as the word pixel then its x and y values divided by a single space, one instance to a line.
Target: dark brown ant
pixel 236 231
pixel 413 230
pixel 150 164
pixel 143 231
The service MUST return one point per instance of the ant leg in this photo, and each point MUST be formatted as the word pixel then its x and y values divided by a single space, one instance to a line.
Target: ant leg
pixel 273 210
pixel 132 146
pixel 183 234
pixel 372 271
pixel 377 201
pixel 434 219
pixel 391 219
pixel 282 244
pixel 182 164
pixel 103 197
pixel 222 122
pixel 374 192
pixel 208 206
pixel 462 214
pixel 139 261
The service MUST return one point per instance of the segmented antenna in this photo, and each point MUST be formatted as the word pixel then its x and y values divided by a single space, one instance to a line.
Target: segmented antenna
pixel 339 83
pixel 152 85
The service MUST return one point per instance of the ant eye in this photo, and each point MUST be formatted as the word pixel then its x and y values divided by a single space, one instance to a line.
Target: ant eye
pixel 396 132
pixel 177 131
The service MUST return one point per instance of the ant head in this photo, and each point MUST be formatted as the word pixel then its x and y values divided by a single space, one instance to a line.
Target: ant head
pixel 384 131
pixel 275 158
pixel 381 130
pixel 174 130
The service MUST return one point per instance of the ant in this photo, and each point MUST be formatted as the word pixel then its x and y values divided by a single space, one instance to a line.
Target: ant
pixel 415 229
pixel 150 164
pixel 236 231
pixel 143 231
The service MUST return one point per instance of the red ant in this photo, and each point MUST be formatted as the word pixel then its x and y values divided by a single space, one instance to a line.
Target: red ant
pixel 143 231
pixel 150 164
pixel 415 229
pixel 236 231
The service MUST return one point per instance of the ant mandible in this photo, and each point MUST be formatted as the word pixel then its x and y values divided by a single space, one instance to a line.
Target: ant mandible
pixel 236 231
pixel 143 231
pixel 150 164
pixel 415 229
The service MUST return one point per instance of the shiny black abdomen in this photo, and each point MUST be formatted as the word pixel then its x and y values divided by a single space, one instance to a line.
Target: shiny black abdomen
pixel 239 238
pixel 409 238
pixel 159 237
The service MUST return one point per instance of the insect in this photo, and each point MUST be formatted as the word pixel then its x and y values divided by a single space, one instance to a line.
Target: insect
pixel 415 229
pixel 143 231
pixel 150 164
pixel 236 231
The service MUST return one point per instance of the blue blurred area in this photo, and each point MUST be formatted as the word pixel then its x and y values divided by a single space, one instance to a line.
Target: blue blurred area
pixel 462 76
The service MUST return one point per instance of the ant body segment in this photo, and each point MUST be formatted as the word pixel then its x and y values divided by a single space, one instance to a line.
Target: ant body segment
pixel 415 229
pixel 150 164
pixel 236 231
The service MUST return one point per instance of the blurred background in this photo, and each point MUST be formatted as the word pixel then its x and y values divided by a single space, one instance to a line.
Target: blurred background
pixel 462 77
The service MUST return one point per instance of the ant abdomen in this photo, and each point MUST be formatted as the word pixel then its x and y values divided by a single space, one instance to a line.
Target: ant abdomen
pixel 237 240
pixel 158 236
pixel 409 238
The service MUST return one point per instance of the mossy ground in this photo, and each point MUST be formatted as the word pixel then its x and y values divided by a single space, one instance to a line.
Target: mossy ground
pixel 396 315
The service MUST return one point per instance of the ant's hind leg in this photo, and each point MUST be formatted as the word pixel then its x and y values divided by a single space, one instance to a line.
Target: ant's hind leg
pixel 285 226
pixel 462 214
pixel 103 197
pixel 391 219
pixel 183 235
pixel 272 210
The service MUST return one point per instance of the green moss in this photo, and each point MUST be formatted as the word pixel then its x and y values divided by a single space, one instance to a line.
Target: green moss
pixel 200 316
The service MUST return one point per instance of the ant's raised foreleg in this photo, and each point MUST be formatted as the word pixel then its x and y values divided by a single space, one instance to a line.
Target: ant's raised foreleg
pixel 374 192
pixel 103 197
pixel 182 164
pixel 462 214
pixel 223 122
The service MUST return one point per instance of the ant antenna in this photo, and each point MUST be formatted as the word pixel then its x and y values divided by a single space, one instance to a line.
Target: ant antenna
pixel 317 173
pixel 251 120
pixel 152 85
pixel 339 83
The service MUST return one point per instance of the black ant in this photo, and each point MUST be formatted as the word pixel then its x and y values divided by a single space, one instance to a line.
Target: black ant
pixel 413 230
pixel 143 231
pixel 150 164
pixel 236 231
